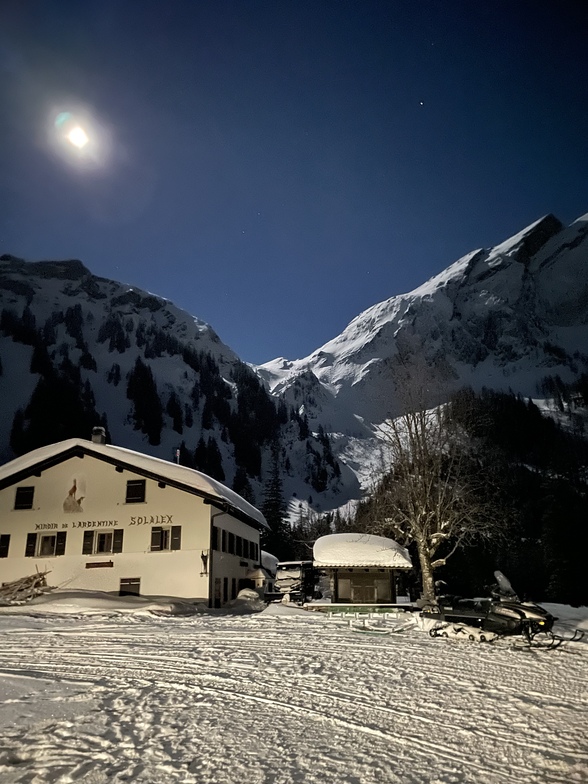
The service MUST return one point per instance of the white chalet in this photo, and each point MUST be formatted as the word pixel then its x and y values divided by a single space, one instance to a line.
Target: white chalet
pixel 100 517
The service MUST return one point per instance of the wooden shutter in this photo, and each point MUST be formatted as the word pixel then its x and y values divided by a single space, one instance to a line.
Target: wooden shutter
pixel 156 538
pixel 88 544
pixel 176 537
pixel 31 545
pixel 60 543
pixel 24 497
pixel 4 545
pixel 135 491
pixel 130 585
pixel 117 541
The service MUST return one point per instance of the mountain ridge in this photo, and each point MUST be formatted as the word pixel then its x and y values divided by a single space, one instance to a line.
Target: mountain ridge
pixel 503 317
pixel 495 317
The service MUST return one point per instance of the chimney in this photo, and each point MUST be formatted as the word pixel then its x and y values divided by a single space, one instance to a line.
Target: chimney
pixel 98 435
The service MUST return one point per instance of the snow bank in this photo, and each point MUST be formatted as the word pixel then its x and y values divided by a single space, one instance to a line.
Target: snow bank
pixel 65 602
pixel 68 602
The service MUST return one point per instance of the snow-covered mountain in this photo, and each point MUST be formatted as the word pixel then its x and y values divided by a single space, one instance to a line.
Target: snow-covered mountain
pixel 76 349
pixel 503 317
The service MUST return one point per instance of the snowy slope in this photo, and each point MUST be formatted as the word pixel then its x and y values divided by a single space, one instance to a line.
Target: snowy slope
pixel 504 318
pixel 102 327
pixel 52 287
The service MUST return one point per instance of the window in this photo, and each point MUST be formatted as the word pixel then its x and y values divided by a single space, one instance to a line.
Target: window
pixel 4 545
pixel 135 491
pixel 233 588
pixel 166 538
pixel 231 547
pixel 97 542
pixel 46 545
pixel 24 498
pixel 223 541
pixel 104 542
pixel 215 537
pixel 130 585
pixel 225 589
pixel 238 546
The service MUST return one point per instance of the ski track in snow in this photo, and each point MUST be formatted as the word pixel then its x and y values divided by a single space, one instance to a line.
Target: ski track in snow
pixel 273 700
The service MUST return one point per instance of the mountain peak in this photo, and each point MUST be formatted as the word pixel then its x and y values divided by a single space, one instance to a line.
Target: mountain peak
pixel 67 269
pixel 503 317
pixel 526 243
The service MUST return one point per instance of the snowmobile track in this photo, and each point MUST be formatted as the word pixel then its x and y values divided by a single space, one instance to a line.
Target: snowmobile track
pixel 226 700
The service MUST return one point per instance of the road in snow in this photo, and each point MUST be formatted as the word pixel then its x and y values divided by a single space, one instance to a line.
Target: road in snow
pixel 279 698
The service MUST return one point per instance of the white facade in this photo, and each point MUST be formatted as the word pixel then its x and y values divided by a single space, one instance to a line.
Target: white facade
pixel 100 517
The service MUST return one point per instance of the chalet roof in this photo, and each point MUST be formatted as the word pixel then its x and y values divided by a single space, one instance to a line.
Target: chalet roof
pixel 145 465
pixel 352 550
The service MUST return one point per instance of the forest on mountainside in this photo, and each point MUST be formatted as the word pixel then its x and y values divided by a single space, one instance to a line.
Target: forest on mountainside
pixel 227 426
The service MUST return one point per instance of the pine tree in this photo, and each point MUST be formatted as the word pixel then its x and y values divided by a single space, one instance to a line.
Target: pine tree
pixel 201 455
pixel 174 410
pixel 214 461
pixel 276 540
pixel 147 410
pixel 242 485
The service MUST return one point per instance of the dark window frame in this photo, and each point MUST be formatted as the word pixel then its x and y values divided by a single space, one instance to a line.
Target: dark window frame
pixel 35 544
pixel 136 491
pixel 127 586
pixel 4 545
pixel 90 542
pixel 31 546
pixel 166 538
pixel 24 496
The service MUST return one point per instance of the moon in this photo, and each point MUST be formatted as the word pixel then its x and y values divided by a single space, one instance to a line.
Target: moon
pixel 78 137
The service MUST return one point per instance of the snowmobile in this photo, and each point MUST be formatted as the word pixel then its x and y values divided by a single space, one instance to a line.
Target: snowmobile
pixel 501 615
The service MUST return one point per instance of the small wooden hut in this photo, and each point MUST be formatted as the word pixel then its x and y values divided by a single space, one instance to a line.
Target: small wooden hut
pixel 362 568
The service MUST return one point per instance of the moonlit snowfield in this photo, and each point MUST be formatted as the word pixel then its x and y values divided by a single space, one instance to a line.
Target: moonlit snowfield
pixel 280 696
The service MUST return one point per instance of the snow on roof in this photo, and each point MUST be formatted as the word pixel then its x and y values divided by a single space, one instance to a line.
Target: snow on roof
pixel 269 562
pixel 360 550
pixel 172 472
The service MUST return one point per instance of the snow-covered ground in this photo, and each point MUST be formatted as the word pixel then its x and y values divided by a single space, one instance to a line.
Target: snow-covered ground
pixel 278 697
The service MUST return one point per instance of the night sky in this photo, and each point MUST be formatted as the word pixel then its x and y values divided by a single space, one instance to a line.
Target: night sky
pixel 277 167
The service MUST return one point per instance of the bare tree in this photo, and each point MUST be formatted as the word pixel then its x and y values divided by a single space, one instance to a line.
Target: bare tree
pixel 435 491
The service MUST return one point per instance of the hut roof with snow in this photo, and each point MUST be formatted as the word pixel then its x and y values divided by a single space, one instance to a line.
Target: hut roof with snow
pixel 359 550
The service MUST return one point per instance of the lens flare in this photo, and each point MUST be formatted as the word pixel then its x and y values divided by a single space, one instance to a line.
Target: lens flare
pixel 79 138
